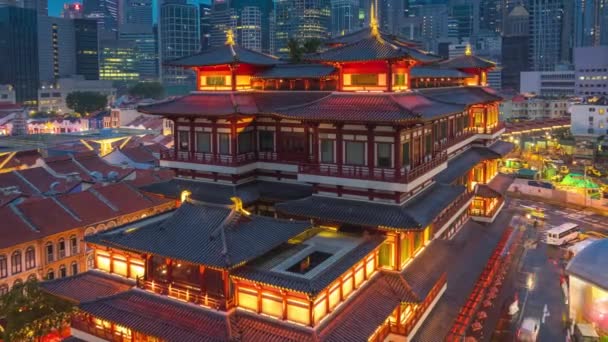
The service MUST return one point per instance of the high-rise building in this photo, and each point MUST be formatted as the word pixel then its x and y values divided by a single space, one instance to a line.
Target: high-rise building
pixel 106 14
pixel 137 12
pixel 205 14
pixel 465 14
pixel 19 56
pixel 87 48
pixel 118 61
pixel 515 44
pixel 248 19
pixel 146 51
pixel 40 6
pixel 590 22
pixel 591 70
pixel 72 11
pixel 546 26
pixel 344 16
pixel 179 28
pixel 301 20
pixel 490 15
pixel 56 48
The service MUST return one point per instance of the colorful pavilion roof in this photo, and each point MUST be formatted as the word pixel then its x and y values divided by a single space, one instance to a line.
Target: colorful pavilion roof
pixel 225 54
pixel 160 317
pixel 288 71
pixel 467 61
pixel 330 106
pixel 216 236
pixel 87 286
pixel 417 213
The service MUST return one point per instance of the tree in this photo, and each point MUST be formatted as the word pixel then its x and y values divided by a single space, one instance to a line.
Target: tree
pixel 295 50
pixel 31 312
pixel 152 90
pixel 311 45
pixel 84 102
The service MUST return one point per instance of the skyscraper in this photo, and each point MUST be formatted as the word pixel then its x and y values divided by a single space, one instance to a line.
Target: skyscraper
pixel 72 11
pixel 205 14
pixel 515 45
pixel 590 23
pixel 40 6
pixel 19 57
pixel 106 14
pixel 248 19
pixel 344 16
pixel 137 12
pixel 87 48
pixel 143 40
pixel 118 61
pixel 548 34
pixel 179 28
pixel 301 20
pixel 56 48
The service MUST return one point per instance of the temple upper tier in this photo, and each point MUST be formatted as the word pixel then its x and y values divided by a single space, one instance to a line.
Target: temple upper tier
pixel 368 60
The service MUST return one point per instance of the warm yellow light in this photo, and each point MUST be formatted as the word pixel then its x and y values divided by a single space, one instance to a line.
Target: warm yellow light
pixel 185 195
pixel 373 22
pixel 229 37
pixel 238 205
pixel 467 50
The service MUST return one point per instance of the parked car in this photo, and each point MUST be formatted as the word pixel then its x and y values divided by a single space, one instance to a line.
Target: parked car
pixel 528 331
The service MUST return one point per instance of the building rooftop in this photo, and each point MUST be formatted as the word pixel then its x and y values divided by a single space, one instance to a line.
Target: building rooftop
pixel 87 286
pixel 467 62
pixel 224 55
pixel 215 236
pixel 590 264
pixel 331 253
pixel 416 213
pixel 287 71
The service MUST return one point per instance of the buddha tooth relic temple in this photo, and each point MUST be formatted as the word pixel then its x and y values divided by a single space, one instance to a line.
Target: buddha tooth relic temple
pixel 314 198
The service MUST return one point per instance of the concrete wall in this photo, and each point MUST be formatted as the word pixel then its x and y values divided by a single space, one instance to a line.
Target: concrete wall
pixel 521 187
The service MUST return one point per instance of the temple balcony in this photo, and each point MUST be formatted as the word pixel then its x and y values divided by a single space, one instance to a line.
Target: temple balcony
pixel 456 143
pixel 403 180
pixel 186 293
pixel 449 216
pixel 491 131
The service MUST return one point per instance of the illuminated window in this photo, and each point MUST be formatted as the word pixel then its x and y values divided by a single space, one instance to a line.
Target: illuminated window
pixel 272 305
pixel 399 79
pixel 30 258
pixel 61 248
pixel 50 257
pixel 364 79
pixel 215 80
pixel 248 299
pixel 16 262
pixel 385 256
pixel 73 245
pixel 298 311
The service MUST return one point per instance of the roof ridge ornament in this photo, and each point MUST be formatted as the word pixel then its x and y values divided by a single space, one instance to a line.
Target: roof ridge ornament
pixel 238 206
pixel 467 50
pixel 373 22
pixel 230 37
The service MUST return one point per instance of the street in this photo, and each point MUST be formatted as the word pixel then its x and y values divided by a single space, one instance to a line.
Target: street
pixel 537 279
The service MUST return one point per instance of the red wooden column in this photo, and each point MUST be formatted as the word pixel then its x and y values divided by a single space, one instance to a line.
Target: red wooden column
pixel 175 138
pixel 233 139
pixel 233 76
pixel 192 145
pixel 307 142
pixel 169 270
pixel 277 136
pixel 214 139
pixel 339 147
pixel 201 270
pixel 398 247
pixel 315 143
pixel 408 81
pixel 389 76
pixel 398 153
pixel 198 78
pixel 371 160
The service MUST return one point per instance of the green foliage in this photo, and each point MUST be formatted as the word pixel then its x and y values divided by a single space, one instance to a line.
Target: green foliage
pixel 84 102
pixel 31 313
pixel 297 50
pixel 152 90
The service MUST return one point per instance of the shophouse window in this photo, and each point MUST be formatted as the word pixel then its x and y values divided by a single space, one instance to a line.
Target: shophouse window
pixel 30 258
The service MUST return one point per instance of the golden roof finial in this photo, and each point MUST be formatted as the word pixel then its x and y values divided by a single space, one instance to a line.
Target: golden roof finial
pixel 373 21
pixel 229 37
pixel 467 50
pixel 238 206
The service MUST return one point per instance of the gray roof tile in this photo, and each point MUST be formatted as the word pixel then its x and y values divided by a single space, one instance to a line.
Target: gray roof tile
pixel 297 71
pixel 225 54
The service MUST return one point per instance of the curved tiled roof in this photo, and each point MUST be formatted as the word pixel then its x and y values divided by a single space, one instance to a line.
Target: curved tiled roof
pixel 209 235
pixel 437 72
pixel 320 105
pixel 297 71
pixel 87 286
pixel 372 48
pixel 225 54
pixel 366 32
pixel 468 62
pixel 590 264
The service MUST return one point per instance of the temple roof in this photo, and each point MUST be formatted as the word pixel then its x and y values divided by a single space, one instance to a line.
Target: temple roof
pixel 366 32
pixel 225 54
pixel 221 193
pixel 464 162
pixel 419 71
pixel 264 271
pixel 215 236
pixel 467 61
pixel 331 106
pixel 370 48
pixel 87 286
pixel 297 71
pixel 416 213
pixel 160 317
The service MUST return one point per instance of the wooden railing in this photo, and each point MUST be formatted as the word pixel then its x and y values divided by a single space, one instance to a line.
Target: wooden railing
pixel 445 217
pixel 460 138
pixel 107 333
pixel 185 293
pixel 492 129
pixel 377 174
pixel 209 158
